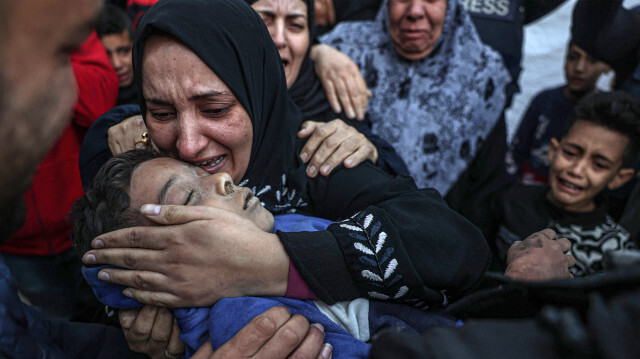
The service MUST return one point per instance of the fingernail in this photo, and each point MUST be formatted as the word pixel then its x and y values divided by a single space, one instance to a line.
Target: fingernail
pixel 127 293
pixel 324 169
pixel 348 163
pixel 311 170
pixel 97 243
pixel 319 326
pixel 151 209
pixel 104 275
pixel 351 114
pixel 326 351
pixel 89 258
pixel 126 319
pixel 304 156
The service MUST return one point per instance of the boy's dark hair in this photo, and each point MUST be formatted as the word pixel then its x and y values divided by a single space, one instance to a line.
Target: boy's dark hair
pixel 617 111
pixel 113 20
pixel 105 206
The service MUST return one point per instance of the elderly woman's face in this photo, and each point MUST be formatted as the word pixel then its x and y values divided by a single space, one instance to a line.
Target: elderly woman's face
pixel 416 25
pixel 289 28
pixel 192 114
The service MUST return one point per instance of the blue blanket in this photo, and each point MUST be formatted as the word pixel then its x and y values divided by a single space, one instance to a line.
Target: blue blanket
pixel 221 321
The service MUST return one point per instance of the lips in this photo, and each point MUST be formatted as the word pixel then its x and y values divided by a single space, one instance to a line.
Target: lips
pixel 123 76
pixel 412 33
pixel 576 80
pixel 569 186
pixel 212 164
pixel 248 199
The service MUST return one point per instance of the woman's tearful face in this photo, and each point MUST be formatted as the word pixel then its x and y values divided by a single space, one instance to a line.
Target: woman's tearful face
pixel 289 28
pixel 191 113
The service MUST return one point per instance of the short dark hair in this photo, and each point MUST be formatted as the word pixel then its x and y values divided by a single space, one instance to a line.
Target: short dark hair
pixel 113 20
pixel 106 205
pixel 617 111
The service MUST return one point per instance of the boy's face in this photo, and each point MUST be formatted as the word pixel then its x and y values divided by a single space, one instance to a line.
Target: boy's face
pixel 582 71
pixel 168 181
pixel 583 163
pixel 119 48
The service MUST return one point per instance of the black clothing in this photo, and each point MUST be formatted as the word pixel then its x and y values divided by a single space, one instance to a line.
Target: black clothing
pixel 127 96
pixel 471 195
pixel 595 317
pixel 525 209
pixel 351 10
pixel 500 25
pixel 400 243
pixel 608 32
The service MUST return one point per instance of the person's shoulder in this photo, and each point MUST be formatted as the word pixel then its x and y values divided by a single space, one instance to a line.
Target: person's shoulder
pixel 522 196
pixel 350 35
pixel 550 93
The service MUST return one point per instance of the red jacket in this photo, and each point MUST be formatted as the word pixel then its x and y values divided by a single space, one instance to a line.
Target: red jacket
pixel 56 183
pixel 137 8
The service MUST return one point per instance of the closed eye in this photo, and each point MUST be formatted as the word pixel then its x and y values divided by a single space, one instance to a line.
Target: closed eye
pixel 192 199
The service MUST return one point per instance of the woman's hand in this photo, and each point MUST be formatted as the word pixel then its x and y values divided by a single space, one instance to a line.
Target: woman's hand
pixel 123 136
pixel 333 143
pixel 272 334
pixel 199 255
pixel 152 331
pixel 342 81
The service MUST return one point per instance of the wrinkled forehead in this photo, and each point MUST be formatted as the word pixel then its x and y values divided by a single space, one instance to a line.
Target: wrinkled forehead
pixel 282 6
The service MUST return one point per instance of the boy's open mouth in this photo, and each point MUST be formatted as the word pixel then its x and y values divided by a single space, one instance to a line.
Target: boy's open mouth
pixel 570 185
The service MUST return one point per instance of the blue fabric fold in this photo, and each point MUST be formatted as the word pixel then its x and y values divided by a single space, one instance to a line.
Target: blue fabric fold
pixel 221 321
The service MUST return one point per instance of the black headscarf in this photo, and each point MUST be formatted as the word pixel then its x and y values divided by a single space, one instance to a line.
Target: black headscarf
pixel 233 41
pixel 608 32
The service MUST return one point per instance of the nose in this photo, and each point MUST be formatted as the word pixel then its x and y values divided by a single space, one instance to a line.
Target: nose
pixel 580 64
pixel 278 34
pixel 415 10
pixel 222 183
pixel 578 167
pixel 191 141
pixel 113 58
pixel 117 62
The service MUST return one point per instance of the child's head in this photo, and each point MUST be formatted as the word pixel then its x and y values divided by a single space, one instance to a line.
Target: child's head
pixel 600 141
pixel 116 34
pixel 581 71
pixel 138 177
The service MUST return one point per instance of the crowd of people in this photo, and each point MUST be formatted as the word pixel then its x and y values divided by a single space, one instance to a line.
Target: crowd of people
pixel 314 179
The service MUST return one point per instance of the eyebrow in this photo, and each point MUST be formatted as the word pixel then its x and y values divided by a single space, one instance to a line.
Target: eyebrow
pixel 289 16
pixel 157 101
pixel 162 195
pixel 597 155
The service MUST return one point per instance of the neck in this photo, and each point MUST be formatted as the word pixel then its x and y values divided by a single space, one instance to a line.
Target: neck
pixel 576 95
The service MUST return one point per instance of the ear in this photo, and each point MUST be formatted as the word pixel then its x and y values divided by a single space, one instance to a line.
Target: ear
pixel 623 176
pixel 554 145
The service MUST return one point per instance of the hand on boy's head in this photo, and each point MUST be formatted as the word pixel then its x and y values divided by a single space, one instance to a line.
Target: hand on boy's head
pixel 199 255
pixel 540 257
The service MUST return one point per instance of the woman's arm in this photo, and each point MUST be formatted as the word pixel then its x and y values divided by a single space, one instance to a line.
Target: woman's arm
pixel 404 244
